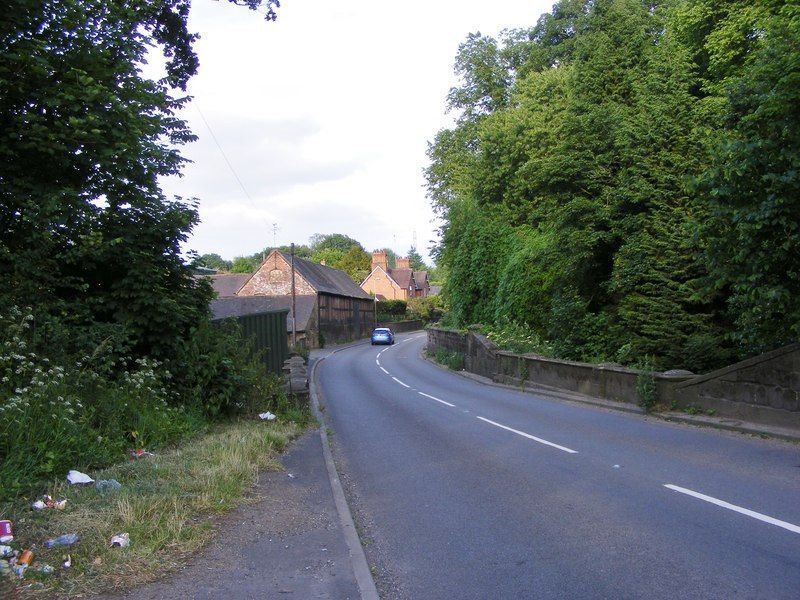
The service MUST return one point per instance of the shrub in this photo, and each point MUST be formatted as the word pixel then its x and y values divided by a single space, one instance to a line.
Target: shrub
pixel 87 412
pixel 391 310
pixel 518 338
pixel 452 360
pixel 646 385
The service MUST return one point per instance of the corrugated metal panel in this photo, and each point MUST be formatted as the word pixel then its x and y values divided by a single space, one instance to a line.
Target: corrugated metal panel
pixel 268 332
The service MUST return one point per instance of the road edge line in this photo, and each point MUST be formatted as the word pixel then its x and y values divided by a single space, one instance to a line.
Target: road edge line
pixel 358 560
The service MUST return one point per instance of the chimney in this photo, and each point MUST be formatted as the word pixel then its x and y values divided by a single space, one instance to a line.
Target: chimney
pixel 379 260
pixel 402 263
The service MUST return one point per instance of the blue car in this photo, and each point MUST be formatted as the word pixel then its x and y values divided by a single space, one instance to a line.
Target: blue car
pixel 382 335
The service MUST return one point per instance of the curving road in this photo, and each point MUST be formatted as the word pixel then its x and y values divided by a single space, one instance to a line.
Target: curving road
pixel 464 490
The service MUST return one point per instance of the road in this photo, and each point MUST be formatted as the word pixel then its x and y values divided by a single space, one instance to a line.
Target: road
pixel 466 490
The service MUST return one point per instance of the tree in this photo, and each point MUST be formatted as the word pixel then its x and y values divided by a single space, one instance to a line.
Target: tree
pixel 85 232
pixel 245 264
pixel 356 263
pixel 337 241
pixel 415 260
pixel 214 261
pixel 753 183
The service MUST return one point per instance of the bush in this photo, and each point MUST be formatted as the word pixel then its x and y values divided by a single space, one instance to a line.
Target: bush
pixel 391 310
pixel 428 310
pixel 518 338
pixel 87 412
pixel 452 360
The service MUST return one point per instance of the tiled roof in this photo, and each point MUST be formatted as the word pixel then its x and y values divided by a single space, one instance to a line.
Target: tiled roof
pixel 325 279
pixel 240 306
pixel 421 278
pixel 401 276
pixel 227 284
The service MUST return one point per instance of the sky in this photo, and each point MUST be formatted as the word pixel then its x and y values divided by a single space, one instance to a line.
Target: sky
pixel 319 122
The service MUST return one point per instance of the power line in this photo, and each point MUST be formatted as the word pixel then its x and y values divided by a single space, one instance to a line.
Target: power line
pixel 228 162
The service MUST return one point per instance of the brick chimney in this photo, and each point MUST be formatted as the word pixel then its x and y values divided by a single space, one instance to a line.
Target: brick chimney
pixel 402 263
pixel 379 260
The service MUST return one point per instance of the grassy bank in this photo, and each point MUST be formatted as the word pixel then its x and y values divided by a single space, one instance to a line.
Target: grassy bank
pixel 167 505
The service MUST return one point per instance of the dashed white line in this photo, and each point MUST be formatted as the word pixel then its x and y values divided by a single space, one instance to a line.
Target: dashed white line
pixel 384 370
pixel 733 507
pixel 435 398
pixel 377 362
pixel 529 436
pixel 400 382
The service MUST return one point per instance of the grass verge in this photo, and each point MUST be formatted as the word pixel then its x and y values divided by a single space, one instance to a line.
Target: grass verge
pixel 167 505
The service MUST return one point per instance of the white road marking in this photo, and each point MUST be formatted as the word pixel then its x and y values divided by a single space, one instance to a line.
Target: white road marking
pixel 384 370
pixel 377 362
pixel 733 507
pixel 435 398
pixel 400 382
pixel 529 436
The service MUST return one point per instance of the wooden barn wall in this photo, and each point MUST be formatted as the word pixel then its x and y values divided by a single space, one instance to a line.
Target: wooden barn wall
pixel 342 318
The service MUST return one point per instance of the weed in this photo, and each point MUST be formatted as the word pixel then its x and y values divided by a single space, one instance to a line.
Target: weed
pixel 165 505
pixel 451 359
pixel 646 385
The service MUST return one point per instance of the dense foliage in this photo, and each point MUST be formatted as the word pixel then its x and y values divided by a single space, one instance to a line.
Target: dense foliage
pixel 622 181
pixel 112 349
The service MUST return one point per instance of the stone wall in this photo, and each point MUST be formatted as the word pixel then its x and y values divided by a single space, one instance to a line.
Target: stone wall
pixel 766 387
pixel 274 278
pixel 403 326
pixel 607 381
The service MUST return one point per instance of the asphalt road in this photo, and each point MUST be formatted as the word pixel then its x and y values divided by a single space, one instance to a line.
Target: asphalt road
pixel 464 490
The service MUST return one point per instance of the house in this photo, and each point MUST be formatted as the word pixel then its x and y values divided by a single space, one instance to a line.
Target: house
pixel 400 283
pixel 330 306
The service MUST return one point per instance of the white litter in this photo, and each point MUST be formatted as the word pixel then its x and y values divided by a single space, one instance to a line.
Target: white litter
pixel 616 466
pixel 290 476
pixel 267 416
pixel 78 478
pixel 121 540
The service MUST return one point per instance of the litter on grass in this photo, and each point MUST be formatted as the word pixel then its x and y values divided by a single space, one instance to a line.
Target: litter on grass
pixel 78 478
pixel 45 569
pixel 48 502
pixel 267 416
pixel 63 540
pixel 121 540
pixel 140 453
pixel 67 562
pixel 6 531
pixel 107 485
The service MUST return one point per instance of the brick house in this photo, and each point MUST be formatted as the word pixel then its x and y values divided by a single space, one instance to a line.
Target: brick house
pixel 400 283
pixel 330 306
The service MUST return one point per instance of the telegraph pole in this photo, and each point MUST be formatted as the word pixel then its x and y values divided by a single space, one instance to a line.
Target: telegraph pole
pixel 294 306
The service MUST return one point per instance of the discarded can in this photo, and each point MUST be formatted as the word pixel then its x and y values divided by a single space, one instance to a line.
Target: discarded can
pixel 6 533
pixel 25 558
pixel 63 540
pixel 121 540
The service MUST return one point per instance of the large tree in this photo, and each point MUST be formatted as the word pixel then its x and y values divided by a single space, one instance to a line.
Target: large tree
pixel 84 227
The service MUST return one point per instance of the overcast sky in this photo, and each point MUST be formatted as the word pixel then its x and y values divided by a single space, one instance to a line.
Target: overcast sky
pixel 324 116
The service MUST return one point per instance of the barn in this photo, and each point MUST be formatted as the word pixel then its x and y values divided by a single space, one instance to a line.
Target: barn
pixel 330 307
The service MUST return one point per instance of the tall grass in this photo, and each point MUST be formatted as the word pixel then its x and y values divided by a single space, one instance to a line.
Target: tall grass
pixel 166 505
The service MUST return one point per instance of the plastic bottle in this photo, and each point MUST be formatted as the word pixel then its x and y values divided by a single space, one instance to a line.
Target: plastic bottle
pixel 63 540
